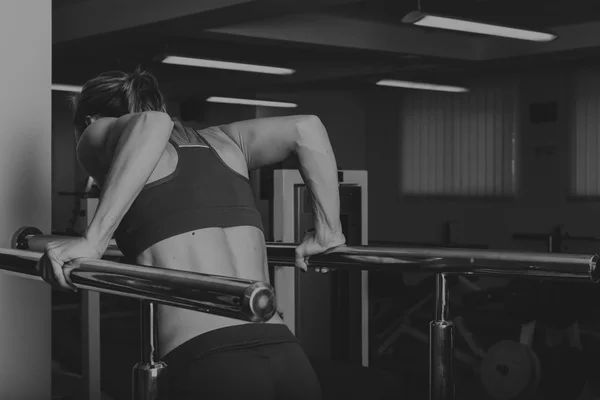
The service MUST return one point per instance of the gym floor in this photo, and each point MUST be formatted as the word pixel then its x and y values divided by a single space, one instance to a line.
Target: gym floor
pixel 120 351
pixel 400 373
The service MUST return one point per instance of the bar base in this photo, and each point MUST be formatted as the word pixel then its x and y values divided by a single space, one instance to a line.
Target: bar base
pixel 145 380
pixel 441 358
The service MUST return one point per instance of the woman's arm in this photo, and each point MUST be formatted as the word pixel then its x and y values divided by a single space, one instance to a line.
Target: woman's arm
pixel 135 144
pixel 270 140
pixel 130 148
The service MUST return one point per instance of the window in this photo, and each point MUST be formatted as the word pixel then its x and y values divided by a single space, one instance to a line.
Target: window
pixel 460 144
pixel 585 134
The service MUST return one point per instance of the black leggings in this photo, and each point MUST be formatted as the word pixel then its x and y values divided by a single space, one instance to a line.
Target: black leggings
pixel 249 361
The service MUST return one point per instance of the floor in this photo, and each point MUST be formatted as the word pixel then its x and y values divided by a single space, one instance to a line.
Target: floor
pixel 400 373
pixel 120 351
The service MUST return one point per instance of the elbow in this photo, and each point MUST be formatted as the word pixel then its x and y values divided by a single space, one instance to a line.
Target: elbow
pixel 311 135
pixel 311 121
pixel 310 126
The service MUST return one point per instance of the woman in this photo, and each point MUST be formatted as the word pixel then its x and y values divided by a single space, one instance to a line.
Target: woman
pixel 174 197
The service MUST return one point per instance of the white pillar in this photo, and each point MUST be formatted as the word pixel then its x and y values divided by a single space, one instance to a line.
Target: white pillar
pixel 25 184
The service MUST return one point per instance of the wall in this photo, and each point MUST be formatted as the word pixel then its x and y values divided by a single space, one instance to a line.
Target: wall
pixel 363 129
pixel 25 195
pixel 540 204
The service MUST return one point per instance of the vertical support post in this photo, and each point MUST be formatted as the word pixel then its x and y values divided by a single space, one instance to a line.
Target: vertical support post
pixel 90 329
pixel 148 332
pixel 361 178
pixel 441 345
pixel 364 316
pixel 148 370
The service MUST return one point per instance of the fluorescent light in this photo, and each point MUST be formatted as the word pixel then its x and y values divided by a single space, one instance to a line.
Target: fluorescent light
pixel 66 88
pixel 249 102
pixel 198 62
pixel 421 85
pixel 441 22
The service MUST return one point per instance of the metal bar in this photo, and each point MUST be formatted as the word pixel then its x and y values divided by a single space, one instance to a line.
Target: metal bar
pixel 442 298
pixel 145 380
pixel 441 345
pixel 148 332
pixel 90 316
pixel 148 370
pixel 438 260
pixel 476 261
pixel 90 334
pixel 229 297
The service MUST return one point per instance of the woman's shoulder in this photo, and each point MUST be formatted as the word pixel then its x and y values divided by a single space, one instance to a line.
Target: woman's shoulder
pixel 97 143
pixel 91 145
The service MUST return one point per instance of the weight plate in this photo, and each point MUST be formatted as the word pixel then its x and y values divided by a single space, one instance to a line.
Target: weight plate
pixel 509 370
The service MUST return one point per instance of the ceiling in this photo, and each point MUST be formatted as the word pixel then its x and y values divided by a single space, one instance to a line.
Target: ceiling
pixel 331 43
pixel 531 13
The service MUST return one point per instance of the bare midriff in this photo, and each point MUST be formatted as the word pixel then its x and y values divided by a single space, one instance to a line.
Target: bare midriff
pixel 238 252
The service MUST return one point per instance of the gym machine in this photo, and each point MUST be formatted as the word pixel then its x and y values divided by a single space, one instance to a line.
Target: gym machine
pixel 441 262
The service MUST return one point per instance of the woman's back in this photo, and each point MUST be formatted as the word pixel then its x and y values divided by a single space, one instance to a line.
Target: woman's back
pixel 196 213
pixel 199 185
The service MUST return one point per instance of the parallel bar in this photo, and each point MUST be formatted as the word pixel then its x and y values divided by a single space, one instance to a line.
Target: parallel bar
pixel 439 261
pixel 476 261
pixel 441 345
pixel 229 297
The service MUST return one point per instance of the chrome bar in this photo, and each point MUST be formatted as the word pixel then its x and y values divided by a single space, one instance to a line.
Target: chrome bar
pixel 145 380
pixel 230 297
pixel 441 261
pixel 438 260
pixel 467 261
pixel 225 296
pixel 91 354
pixel 147 372
pixel 148 329
pixel 442 301
pixel 441 345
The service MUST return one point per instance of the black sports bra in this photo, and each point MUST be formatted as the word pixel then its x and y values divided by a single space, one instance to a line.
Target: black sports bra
pixel 202 192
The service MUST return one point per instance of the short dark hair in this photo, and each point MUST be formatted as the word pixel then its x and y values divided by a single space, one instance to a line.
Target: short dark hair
pixel 116 93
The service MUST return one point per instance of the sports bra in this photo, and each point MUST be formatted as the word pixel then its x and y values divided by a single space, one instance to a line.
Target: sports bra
pixel 202 192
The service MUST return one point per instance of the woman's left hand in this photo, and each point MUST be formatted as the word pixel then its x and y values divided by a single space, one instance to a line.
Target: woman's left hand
pixel 60 257
pixel 317 243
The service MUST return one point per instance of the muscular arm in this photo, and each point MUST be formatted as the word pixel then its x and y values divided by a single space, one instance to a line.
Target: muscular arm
pixel 271 140
pixel 135 144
